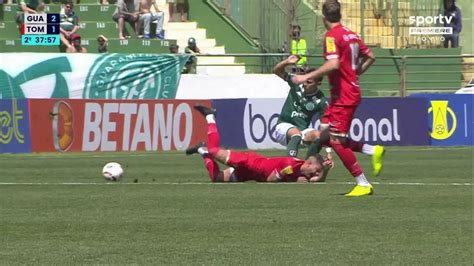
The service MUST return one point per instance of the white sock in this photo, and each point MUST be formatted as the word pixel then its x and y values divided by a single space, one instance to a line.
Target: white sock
pixel 368 149
pixel 202 151
pixel 210 119
pixel 362 181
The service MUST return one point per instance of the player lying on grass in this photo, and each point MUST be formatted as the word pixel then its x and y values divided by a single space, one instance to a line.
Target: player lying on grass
pixel 245 166
pixel 302 103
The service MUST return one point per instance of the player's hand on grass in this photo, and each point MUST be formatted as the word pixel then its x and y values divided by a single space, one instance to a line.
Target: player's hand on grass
pixel 328 163
pixel 302 179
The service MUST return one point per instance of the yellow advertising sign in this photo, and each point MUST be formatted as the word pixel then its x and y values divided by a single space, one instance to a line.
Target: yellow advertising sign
pixel 440 110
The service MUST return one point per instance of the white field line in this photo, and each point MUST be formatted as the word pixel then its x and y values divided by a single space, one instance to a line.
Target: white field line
pixel 209 183
pixel 173 153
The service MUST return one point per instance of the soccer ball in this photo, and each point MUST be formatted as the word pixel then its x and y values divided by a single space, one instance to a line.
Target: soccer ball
pixel 112 171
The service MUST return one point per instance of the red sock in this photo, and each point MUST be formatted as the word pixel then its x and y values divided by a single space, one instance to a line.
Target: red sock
pixel 354 145
pixel 213 151
pixel 347 157
pixel 212 136
pixel 212 167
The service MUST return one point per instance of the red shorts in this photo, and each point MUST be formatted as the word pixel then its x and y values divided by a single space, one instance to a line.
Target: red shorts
pixel 248 166
pixel 339 119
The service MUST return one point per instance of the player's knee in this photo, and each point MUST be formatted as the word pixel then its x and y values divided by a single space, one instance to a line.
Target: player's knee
pixel 214 151
pixel 324 136
pixel 310 135
pixel 292 132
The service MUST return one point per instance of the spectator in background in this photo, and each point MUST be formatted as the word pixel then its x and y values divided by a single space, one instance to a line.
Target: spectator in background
pixel 190 67
pixel 171 9
pixel 174 49
pixel 453 12
pixel 147 16
pixel 76 45
pixel 183 8
pixel 69 23
pixel 28 6
pixel 102 44
pixel 127 10
pixel 298 47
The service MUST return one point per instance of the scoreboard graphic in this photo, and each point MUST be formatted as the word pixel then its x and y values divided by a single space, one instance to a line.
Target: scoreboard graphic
pixel 40 29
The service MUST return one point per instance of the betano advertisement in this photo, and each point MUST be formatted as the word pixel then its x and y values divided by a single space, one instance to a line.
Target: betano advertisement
pixel 114 125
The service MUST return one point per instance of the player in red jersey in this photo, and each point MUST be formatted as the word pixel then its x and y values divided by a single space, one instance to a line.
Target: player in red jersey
pixel 245 166
pixel 347 57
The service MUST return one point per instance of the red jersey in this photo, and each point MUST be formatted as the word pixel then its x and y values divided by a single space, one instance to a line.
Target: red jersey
pixel 252 166
pixel 345 45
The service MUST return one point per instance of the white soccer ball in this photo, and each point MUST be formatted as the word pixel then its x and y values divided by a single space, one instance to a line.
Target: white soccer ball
pixel 112 171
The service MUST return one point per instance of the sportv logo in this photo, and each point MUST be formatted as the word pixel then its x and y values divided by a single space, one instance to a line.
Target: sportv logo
pixel 428 20
pixel 420 23
pixel 440 111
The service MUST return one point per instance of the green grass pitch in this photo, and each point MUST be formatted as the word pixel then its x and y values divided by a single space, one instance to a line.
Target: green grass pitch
pixel 56 209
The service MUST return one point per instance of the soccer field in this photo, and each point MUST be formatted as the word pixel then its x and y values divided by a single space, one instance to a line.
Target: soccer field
pixel 58 209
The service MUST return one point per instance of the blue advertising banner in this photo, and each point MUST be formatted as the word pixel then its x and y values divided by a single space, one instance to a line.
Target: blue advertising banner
pixel 450 118
pixel 14 131
pixel 391 122
pixel 230 123
pixel 250 123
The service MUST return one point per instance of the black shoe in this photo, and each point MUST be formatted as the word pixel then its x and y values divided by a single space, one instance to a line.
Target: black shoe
pixel 204 110
pixel 194 149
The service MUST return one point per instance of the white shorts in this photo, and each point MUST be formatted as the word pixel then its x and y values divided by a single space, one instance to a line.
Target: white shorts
pixel 281 131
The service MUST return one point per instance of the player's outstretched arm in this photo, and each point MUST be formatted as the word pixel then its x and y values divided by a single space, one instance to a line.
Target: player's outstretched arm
pixel 328 67
pixel 279 69
pixel 365 62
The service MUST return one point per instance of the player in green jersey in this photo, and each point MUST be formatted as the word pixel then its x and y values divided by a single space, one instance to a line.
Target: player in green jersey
pixel 302 103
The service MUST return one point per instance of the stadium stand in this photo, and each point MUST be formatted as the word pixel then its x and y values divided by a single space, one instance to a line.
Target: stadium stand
pixel 96 19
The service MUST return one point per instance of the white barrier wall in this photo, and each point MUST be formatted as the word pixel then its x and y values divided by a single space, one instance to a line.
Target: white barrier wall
pixel 231 87
pixel 89 76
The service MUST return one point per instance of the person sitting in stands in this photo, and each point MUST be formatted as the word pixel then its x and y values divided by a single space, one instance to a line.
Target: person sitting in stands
pixel 76 45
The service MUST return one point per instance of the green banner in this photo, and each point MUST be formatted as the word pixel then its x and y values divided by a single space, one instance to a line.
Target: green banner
pixel 90 76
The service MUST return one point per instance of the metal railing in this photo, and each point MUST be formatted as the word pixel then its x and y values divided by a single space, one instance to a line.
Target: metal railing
pixel 389 76
pixel 382 23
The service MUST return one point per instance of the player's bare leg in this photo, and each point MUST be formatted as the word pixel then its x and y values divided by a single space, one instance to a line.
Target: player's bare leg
pixel 121 25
